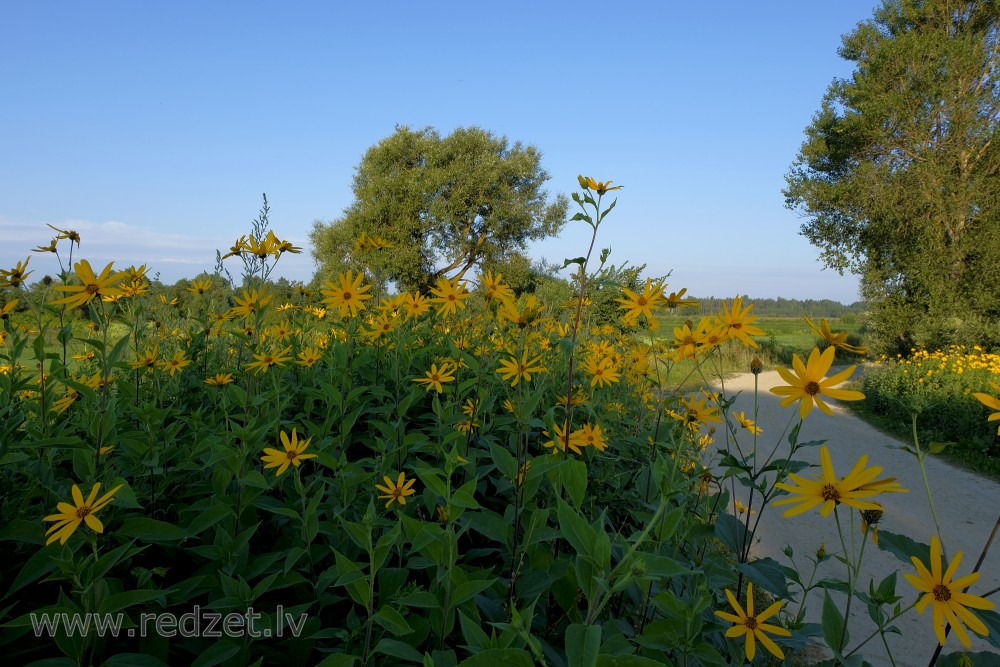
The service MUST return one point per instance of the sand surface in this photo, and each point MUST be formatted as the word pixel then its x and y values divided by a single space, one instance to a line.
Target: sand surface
pixel 967 507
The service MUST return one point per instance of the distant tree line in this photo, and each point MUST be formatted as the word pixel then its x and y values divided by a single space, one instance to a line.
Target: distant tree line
pixel 785 307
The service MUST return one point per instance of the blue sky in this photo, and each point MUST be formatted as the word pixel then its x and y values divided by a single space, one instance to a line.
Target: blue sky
pixel 153 128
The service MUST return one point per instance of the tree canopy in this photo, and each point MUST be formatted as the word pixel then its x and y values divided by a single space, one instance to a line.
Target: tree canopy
pixel 897 176
pixel 442 205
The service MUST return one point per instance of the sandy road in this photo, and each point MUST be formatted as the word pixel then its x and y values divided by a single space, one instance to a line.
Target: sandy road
pixel 967 507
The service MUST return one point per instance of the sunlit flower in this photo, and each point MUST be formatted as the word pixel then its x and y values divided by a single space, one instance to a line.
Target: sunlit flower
pixel 435 377
pixel 991 402
pixel 200 286
pixel 529 313
pixel 826 491
pixel 264 361
pixel 220 380
pixel 561 440
pixel 514 370
pixel 252 302
pixel 51 247
pixel 737 322
pixel 835 339
pixel 697 410
pixel 292 455
pixel 372 242
pixel 396 491
pixel 415 304
pixel 603 372
pixel 588 183
pixel 70 517
pixel 349 297
pixel 809 384
pixel 309 356
pixel 494 289
pixel 449 295
pixel 15 277
pixel 753 626
pixel 590 436
pixel 636 305
pixel 67 234
pixel 91 285
pixel 8 308
pixel 946 597
pixel 748 424
pixel 175 364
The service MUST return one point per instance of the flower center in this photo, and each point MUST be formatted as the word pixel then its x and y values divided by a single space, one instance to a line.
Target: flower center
pixel 92 288
pixel 751 622
pixel 292 455
pixel 347 296
pixel 830 492
pixel 941 593
pixel 81 512
pixel 811 388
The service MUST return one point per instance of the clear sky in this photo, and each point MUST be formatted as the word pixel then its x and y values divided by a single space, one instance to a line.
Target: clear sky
pixel 152 128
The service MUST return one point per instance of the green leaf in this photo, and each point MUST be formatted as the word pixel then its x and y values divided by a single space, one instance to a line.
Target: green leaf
pixel 833 623
pixel 467 590
pixel 151 530
pixel 730 531
pixel 133 660
pixel 216 653
pixel 509 657
pixel 768 574
pixel 339 660
pixel 576 530
pixel 903 548
pixel 128 599
pixel 627 661
pixel 40 564
pixel 583 642
pixel 473 634
pixel 573 476
pixel 661 567
pixel 393 621
pixel 991 620
pixel 576 260
pixel 207 518
pixel 398 649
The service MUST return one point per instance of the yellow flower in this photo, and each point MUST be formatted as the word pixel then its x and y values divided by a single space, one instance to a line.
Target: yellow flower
pixel 397 491
pixel 991 402
pixel 309 356
pixel 350 296
pixel 828 492
pixel 753 626
pixel 809 384
pixel 513 370
pixel 737 322
pixel 92 285
pixel 449 295
pixel 16 276
pixel 603 372
pixel 529 313
pixel 200 286
pixel 748 424
pixel 643 303
pixel 147 359
pixel 494 288
pixel 51 247
pixel 252 302
pixel 275 458
pixel 697 410
pixel 561 441
pixel 264 361
pixel 436 377
pixel 71 516
pixel 835 339
pixel 220 380
pixel 415 305
pixel 946 596
pixel 7 309
pixel 66 234
pixel 373 242
pixel 590 436
pixel 175 364
pixel 588 183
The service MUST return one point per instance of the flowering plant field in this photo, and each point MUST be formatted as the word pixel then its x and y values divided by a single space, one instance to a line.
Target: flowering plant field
pixel 462 476
pixel 946 391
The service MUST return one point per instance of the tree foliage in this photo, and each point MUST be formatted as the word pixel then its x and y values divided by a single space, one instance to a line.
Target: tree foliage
pixel 445 204
pixel 898 173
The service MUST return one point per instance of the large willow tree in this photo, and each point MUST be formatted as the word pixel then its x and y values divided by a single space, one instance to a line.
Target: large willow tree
pixel 444 204
pixel 898 176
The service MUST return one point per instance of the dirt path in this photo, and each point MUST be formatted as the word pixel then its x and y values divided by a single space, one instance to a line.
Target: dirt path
pixel 967 507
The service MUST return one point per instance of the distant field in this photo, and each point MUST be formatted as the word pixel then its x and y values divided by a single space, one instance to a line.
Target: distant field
pixel 783 337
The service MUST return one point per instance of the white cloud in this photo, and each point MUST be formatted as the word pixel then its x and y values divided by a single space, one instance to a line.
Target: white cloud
pixel 173 255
